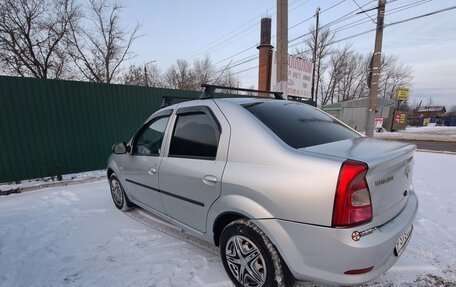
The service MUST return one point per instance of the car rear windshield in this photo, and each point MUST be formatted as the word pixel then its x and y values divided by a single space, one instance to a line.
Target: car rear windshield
pixel 299 125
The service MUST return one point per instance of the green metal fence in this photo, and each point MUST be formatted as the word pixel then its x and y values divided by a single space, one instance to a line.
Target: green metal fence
pixel 51 127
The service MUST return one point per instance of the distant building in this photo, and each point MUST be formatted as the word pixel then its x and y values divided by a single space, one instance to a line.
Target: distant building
pixel 430 112
pixel 354 112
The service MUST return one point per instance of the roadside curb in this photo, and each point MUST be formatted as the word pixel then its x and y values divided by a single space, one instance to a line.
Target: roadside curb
pixel 433 139
pixel 436 151
pixel 50 184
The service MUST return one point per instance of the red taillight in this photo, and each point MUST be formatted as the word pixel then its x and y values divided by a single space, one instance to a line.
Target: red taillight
pixel 352 205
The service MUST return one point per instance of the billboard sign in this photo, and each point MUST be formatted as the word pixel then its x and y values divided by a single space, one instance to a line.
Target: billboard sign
pixel 299 76
pixel 402 94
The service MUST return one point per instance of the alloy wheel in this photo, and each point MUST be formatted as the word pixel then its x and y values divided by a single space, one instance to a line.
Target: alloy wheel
pixel 117 193
pixel 245 261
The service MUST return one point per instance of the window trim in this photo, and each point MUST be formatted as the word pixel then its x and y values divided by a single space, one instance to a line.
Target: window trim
pixel 158 116
pixel 199 109
pixel 196 110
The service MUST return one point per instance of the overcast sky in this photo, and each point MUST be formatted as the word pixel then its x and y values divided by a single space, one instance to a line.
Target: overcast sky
pixel 190 30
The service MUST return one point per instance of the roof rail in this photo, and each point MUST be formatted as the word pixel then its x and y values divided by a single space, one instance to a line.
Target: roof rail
pixel 208 92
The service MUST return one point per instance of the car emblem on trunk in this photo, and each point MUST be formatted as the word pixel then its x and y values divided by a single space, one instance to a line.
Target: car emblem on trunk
pixel 384 180
pixel 356 235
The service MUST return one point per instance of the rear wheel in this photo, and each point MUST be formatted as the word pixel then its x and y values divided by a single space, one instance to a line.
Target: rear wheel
pixel 118 194
pixel 249 257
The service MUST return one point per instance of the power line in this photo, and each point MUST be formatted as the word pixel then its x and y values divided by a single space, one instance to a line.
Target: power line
pixel 238 53
pixel 360 8
pixel 197 51
pixel 371 30
pixel 222 41
pixel 396 23
pixel 361 21
pixel 390 12
pixel 422 16
pixel 340 19
pixel 321 12
pixel 336 21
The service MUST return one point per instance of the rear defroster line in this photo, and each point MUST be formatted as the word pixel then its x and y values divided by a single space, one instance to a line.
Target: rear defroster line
pixel 151 221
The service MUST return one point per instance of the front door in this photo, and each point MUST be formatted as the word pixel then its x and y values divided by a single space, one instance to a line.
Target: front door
pixel 141 165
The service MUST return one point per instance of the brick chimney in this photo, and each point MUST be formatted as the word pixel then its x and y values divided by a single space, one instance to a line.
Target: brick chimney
pixel 265 57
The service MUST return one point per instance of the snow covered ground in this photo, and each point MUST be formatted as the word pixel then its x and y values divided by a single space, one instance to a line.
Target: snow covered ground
pixel 431 133
pixel 39 183
pixel 74 236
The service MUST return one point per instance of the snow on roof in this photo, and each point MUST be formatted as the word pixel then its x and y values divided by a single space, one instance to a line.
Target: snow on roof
pixel 432 109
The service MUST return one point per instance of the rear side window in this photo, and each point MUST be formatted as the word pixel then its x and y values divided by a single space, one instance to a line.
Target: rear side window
pixel 196 135
pixel 299 125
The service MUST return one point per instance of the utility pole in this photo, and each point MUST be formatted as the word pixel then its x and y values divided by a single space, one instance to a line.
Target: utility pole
pixel 314 58
pixel 146 80
pixel 282 47
pixel 376 63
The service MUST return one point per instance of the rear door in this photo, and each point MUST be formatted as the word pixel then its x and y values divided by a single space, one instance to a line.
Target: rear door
pixel 190 176
pixel 140 166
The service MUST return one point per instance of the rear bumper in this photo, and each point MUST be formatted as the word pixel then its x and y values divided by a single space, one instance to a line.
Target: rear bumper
pixel 324 254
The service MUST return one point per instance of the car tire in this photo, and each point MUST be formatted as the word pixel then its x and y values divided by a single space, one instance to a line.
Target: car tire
pixel 118 194
pixel 249 257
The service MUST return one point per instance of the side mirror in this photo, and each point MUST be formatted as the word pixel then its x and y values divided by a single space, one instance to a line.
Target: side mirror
pixel 120 148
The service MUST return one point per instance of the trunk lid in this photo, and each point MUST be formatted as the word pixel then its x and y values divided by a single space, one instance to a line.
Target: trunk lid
pixel 390 170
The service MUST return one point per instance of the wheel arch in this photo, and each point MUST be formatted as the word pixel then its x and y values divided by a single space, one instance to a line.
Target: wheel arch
pixel 109 172
pixel 232 207
pixel 222 221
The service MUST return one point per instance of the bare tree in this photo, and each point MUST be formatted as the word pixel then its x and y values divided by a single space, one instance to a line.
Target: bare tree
pixel 139 76
pixel 180 76
pixel 203 71
pixel 323 45
pixel 184 76
pixel 352 83
pixel 100 45
pixel 346 76
pixel 393 76
pixel 227 80
pixel 337 67
pixel 32 34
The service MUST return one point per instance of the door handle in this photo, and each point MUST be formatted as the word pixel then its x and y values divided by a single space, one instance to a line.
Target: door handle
pixel 210 179
pixel 152 171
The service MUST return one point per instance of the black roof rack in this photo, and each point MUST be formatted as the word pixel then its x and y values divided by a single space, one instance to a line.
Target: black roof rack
pixel 208 92
pixel 171 100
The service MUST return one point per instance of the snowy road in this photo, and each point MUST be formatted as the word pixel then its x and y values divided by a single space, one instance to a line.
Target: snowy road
pixel 74 236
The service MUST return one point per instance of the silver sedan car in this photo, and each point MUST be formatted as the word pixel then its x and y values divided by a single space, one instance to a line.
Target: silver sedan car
pixel 285 190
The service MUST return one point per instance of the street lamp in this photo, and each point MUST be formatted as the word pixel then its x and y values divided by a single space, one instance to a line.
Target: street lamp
pixel 146 82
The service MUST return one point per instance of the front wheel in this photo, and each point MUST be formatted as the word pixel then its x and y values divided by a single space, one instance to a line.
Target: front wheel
pixel 249 257
pixel 118 194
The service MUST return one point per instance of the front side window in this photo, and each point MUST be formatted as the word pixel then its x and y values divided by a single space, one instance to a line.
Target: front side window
pixel 149 139
pixel 195 136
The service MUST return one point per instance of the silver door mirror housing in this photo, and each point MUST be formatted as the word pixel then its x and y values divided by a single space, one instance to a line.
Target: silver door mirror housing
pixel 120 148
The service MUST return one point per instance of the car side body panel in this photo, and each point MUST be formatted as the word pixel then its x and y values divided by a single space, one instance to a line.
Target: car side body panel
pixel 263 169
